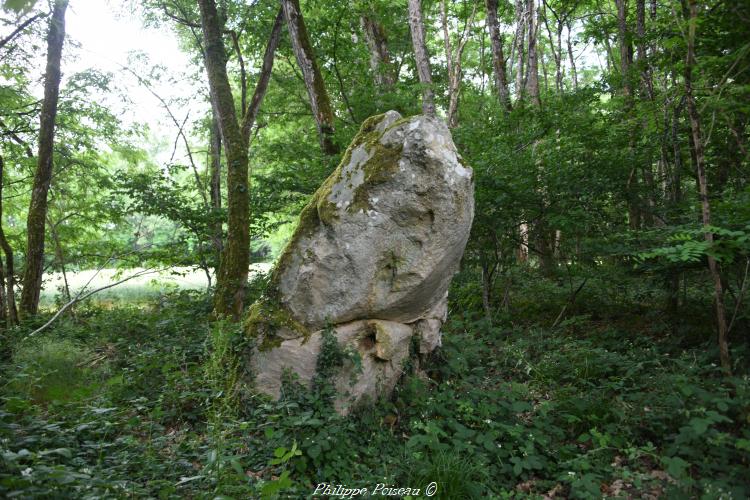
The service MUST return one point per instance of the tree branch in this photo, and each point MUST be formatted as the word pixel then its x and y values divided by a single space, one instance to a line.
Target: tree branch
pixel 23 26
pixel 79 298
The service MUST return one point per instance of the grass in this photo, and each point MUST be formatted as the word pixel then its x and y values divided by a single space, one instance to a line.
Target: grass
pixel 50 369
pixel 138 290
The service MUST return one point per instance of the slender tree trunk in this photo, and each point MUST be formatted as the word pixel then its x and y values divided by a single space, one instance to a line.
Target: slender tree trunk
pixel 557 53
pixel 610 59
pixel 487 280
pixel 316 89
pixel 416 26
pixel 453 60
pixel 215 184
pixel 35 224
pixel 233 269
pixel 520 42
pixel 673 193
pixel 544 69
pixel 380 56
pixel 523 247
pixel 573 71
pixel 60 257
pixel 264 78
pixel 498 59
pixel 532 82
pixel 691 13
pixel 641 51
pixel 647 94
pixel 451 66
pixel 8 304
pixel 560 73
pixel 623 37
pixel 676 181
pixel 624 42
pixel 3 310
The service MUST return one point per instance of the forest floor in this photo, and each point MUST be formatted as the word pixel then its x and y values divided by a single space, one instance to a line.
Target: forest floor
pixel 618 400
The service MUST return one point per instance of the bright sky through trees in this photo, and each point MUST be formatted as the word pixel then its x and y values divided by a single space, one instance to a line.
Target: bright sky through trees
pixel 108 38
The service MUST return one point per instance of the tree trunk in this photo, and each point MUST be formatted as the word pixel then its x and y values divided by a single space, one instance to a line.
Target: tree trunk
pixel 449 62
pixel 35 225
pixel 641 52
pixel 316 89
pixel 624 42
pixel 523 246
pixel 9 299
pixel 265 76
pixel 573 71
pixel 676 181
pixel 519 41
pixel 60 257
pixel 215 184
pixel 623 37
pixel 691 13
pixel 487 280
pixel 453 61
pixel 380 56
pixel 647 93
pixel 233 269
pixel 498 59
pixel 3 311
pixel 555 44
pixel 416 25
pixel 532 81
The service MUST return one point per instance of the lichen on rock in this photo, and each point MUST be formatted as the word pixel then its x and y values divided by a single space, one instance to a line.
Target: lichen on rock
pixel 374 251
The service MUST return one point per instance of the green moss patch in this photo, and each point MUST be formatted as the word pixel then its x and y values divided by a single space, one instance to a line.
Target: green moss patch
pixel 267 318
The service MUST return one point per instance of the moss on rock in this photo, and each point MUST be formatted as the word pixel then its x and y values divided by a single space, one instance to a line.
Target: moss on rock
pixel 267 320
pixel 321 209
pixel 268 316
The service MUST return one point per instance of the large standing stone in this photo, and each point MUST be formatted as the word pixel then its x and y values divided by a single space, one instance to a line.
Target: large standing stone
pixel 374 251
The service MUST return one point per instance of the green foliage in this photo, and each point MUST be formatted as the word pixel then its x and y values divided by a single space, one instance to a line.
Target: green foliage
pixel 50 370
pixel 607 402
pixel 18 5
pixel 621 398
pixel 688 245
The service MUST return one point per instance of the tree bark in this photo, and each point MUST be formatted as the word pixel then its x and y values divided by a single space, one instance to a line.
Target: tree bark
pixel 35 224
pixel 316 89
pixel 691 13
pixel 641 52
pixel 416 26
pixel 532 82
pixel 380 56
pixel 573 71
pixel 233 269
pixel 215 183
pixel 487 281
pixel 265 76
pixel 519 41
pixel 624 42
pixel 9 303
pixel 453 61
pixel 3 310
pixel 555 44
pixel 498 58
pixel 623 37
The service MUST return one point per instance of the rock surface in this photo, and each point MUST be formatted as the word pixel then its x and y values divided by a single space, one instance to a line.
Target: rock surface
pixel 373 255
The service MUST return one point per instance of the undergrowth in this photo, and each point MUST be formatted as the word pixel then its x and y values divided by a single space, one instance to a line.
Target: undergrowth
pixel 151 402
